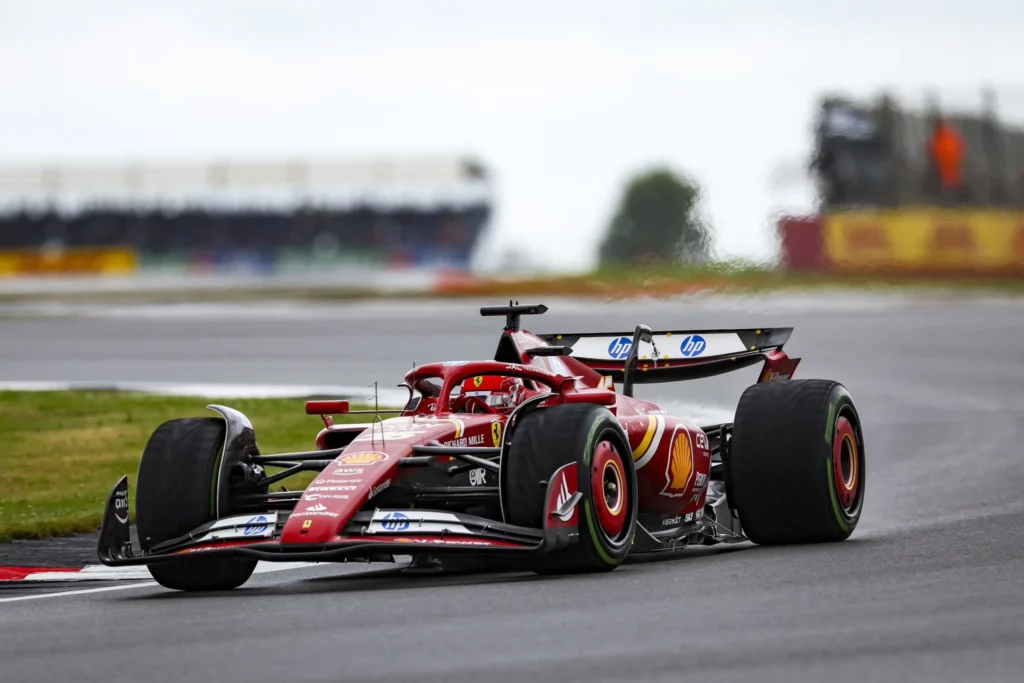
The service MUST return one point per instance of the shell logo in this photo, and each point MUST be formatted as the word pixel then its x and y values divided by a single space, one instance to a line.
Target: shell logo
pixel 680 466
pixel 365 458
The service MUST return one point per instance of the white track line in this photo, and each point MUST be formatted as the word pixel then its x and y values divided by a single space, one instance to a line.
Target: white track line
pixel 261 568
pixel 78 592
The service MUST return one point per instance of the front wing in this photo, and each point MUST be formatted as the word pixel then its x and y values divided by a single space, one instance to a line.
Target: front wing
pixel 375 535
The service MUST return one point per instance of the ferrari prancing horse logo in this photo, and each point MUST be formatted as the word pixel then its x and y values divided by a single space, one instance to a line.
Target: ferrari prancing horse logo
pixel 496 434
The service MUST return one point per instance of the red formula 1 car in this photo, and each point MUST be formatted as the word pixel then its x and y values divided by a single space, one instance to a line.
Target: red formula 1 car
pixel 535 460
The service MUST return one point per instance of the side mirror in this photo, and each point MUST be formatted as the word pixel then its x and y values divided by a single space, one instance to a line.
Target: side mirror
pixel 326 407
pixel 549 351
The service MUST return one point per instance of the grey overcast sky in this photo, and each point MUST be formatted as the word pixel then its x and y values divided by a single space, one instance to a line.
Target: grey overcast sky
pixel 562 99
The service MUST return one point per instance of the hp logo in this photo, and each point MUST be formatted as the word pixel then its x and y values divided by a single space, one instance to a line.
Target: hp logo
pixel 395 521
pixel 693 345
pixel 619 348
pixel 256 525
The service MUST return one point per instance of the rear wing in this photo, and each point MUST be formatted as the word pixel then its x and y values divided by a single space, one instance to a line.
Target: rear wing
pixel 670 356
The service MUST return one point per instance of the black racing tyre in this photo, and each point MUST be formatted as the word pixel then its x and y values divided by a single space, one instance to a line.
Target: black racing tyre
pixel 590 436
pixel 797 463
pixel 175 494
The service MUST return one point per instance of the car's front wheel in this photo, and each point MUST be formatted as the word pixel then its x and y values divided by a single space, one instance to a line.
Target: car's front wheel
pixel 175 494
pixel 591 437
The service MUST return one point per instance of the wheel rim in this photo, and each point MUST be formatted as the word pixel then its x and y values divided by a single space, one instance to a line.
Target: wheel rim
pixel 846 464
pixel 609 489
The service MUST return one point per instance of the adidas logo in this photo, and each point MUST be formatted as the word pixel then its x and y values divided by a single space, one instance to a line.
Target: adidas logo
pixel 319 507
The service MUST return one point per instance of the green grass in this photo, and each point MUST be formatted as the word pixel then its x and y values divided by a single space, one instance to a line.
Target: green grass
pixel 62 452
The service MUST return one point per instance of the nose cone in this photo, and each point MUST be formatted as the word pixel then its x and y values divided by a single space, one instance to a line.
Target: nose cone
pixel 339 492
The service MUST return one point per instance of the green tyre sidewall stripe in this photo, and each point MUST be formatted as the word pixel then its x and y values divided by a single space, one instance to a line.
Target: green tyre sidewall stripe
pixel 588 507
pixel 839 393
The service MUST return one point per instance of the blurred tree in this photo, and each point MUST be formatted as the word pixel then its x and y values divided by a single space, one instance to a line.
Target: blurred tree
pixel 657 221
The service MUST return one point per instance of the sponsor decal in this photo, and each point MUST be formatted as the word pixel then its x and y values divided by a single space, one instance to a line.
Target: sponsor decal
pixel 121 503
pixel 317 513
pixel 318 507
pixel 308 523
pixel 477 440
pixel 698 514
pixel 251 526
pixel 515 367
pixel 332 488
pixel 318 482
pixel 700 482
pixel 477 381
pixel 454 363
pixel 688 517
pixel 426 522
pixel 772 376
pixel 363 458
pixel 671 521
pixel 651 411
pixel 379 487
pixel 326 496
pixel 395 521
pixel 256 525
pixel 496 434
pixel 701 440
pixel 345 471
pixel 692 346
pixel 680 465
pixel 478 477
pixel 619 348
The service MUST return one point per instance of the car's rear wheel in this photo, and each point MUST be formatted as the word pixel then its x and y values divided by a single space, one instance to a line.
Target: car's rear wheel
pixel 590 436
pixel 796 462
pixel 175 494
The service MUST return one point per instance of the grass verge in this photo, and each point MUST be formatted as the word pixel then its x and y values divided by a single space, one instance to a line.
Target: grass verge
pixel 61 452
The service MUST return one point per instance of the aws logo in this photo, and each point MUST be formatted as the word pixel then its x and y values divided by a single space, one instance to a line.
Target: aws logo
pixel 680 466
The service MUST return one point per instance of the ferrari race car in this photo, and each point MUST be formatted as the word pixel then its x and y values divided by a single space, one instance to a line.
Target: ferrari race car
pixel 541 459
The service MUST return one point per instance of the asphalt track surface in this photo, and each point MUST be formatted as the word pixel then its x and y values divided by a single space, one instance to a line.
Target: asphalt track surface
pixel 929 588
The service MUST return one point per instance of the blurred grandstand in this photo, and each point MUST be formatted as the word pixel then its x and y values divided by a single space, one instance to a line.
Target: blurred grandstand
pixel 243 217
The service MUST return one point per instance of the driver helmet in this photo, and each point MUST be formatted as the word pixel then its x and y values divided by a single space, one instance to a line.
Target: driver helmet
pixel 494 390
